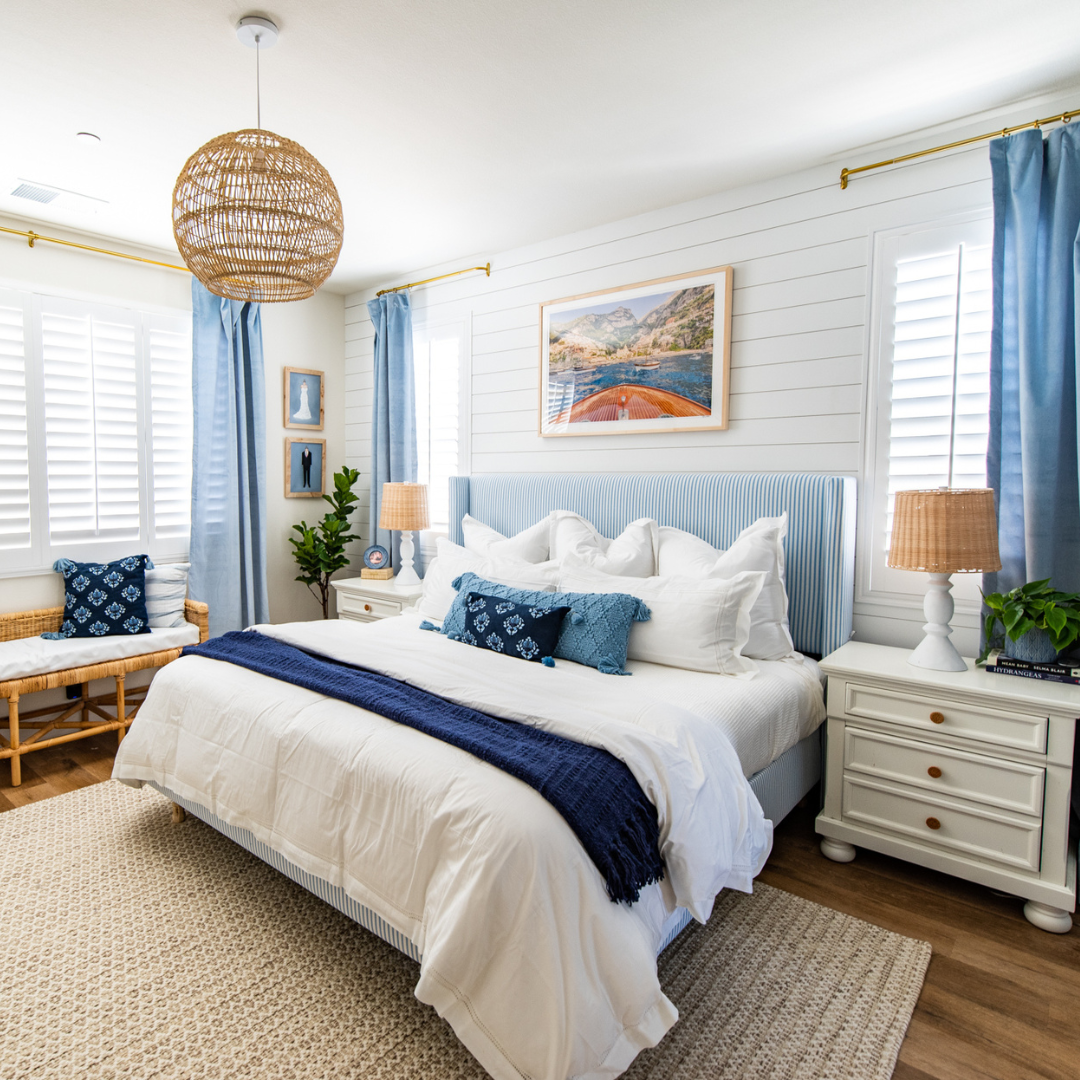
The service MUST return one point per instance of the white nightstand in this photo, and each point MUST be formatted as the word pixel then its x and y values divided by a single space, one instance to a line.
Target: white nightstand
pixel 366 600
pixel 964 772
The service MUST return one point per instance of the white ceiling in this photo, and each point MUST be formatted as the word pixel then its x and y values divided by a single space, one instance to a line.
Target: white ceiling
pixel 454 127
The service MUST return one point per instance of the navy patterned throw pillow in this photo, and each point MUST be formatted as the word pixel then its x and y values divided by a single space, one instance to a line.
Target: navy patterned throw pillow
pixel 104 598
pixel 518 630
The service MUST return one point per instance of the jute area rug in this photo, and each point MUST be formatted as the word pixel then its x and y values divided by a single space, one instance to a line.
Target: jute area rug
pixel 134 948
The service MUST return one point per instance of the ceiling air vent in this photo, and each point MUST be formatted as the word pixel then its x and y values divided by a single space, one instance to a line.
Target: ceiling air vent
pixel 34 192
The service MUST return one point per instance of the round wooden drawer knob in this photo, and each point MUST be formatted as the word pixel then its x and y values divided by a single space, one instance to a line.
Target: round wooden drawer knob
pixel 933 823
pixel 367 607
pixel 937 718
pixel 934 771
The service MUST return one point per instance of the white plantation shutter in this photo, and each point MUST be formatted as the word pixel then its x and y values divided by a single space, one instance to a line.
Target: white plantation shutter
pixel 934 385
pixel 941 371
pixel 95 432
pixel 14 449
pixel 171 425
pixel 438 358
pixel 91 424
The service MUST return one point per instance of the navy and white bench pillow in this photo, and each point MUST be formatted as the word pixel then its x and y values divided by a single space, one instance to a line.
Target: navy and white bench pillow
pixel 103 598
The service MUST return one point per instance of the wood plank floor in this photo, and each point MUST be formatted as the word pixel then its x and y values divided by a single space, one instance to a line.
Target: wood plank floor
pixel 1001 999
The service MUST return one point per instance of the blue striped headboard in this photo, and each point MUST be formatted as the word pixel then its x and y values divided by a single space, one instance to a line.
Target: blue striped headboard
pixel 820 551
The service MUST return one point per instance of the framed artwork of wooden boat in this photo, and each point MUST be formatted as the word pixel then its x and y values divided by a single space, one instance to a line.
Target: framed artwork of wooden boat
pixel 650 357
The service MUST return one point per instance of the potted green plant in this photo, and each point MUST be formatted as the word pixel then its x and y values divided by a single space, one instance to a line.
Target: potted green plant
pixel 320 551
pixel 1039 622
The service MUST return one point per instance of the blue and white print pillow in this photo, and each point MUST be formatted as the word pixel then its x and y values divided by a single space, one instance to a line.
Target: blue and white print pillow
pixel 104 598
pixel 519 630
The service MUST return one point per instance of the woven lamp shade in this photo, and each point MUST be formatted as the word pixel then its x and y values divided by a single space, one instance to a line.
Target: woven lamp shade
pixel 256 217
pixel 945 531
pixel 404 507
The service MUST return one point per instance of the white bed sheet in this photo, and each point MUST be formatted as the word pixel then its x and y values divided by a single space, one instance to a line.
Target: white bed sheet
pixel 762 717
pixel 539 974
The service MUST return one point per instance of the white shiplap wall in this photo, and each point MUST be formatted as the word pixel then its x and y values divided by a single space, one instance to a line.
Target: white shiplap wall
pixel 801 250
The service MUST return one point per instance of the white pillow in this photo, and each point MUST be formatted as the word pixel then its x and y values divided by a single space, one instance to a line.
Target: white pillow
pixel 759 546
pixel 166 588
pixel 530 545
pixel 631 553
pixel 452 561
pixel 697 624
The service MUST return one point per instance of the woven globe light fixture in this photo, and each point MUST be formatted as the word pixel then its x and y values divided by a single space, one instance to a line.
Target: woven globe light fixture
pixel 255 216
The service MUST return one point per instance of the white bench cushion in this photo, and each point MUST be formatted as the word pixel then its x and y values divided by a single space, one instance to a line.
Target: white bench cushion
pixel 36 656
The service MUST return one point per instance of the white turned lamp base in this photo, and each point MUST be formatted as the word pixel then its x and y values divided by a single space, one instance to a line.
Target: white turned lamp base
pixel 406 575
pixel 936 652
pixel 837 850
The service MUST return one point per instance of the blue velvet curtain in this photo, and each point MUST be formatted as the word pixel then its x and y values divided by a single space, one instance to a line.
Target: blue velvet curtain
pixel 1032 457
pixel 393 411
pixel 228 487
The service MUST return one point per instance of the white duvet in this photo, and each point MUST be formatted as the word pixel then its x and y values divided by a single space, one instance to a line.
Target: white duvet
pixel 538 972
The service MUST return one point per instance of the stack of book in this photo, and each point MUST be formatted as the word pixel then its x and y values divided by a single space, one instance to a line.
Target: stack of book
pixel 1001 664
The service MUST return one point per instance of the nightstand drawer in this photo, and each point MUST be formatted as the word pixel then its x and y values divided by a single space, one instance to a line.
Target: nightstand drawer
pixel 967 720
pixel 367 607
pixel 991 835
pixel 941 770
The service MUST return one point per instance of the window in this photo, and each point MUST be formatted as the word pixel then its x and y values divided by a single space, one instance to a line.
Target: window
pixel 95 431
pixel 929 421
pixel 439 355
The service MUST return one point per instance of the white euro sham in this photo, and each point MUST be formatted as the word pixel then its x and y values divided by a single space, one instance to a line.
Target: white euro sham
pixel 760 547
pixel 697 624
pixel 632 553
pixel 530 545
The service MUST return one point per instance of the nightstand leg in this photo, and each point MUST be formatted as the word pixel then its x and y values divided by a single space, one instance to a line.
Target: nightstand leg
pixel 837 850
pixel 1051 919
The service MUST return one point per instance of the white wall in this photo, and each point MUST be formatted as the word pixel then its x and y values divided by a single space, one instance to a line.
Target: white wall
pixel 67 271
pixel 308 333
pixel 801 251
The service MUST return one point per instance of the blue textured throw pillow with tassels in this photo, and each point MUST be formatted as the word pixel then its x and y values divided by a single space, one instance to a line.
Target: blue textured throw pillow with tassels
pixel 103 598
pixel 595 633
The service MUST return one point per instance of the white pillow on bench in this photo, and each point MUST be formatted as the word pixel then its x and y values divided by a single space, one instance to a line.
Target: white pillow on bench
pixel 166 588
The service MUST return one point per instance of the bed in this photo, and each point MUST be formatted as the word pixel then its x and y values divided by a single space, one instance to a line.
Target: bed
pixel 555 976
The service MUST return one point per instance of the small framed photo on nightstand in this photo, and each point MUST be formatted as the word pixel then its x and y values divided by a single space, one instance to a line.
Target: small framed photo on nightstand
pixel 305 468
pixel 303 398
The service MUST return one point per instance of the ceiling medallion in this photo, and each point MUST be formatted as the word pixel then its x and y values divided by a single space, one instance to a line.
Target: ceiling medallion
pixel 255 216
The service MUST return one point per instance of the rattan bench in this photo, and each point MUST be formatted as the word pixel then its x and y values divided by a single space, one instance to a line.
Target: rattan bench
pixel 77 713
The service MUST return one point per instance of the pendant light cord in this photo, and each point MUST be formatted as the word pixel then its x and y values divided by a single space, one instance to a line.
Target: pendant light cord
pixel 258 85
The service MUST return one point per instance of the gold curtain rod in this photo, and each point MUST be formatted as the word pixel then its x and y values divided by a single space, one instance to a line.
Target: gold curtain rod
pixel 34 237
pixel 1064 118
pixel 438 277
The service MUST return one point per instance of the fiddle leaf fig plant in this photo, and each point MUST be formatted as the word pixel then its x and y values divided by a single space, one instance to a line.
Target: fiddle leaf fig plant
pixel 320 551
pixel 1034 606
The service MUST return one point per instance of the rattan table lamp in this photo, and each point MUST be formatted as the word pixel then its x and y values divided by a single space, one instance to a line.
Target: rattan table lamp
pixel 404 508
pixel 943 531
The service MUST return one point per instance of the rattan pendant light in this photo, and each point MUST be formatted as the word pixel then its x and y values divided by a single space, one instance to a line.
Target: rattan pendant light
pixel 255 216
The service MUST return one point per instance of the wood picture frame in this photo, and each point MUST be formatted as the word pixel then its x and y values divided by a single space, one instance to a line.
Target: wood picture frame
pixel 644 358
pixel 300 482
pixel 301 408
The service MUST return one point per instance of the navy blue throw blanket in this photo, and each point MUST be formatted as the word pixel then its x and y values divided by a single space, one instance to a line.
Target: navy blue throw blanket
pixel 593 790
